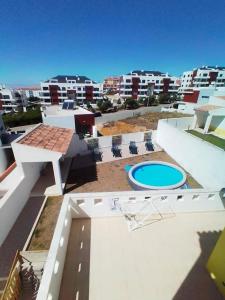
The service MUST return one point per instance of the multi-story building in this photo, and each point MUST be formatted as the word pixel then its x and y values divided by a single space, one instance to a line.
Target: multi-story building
pixel 202 77
pixel 29 92
pixel 10 100
pixel 111 84
pixel 140 84
pixel 61 87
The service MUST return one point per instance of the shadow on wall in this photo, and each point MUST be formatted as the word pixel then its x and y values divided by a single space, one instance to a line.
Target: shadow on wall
pixel 81 172
pixel 198 284
pixel 222 196
pixel 75 279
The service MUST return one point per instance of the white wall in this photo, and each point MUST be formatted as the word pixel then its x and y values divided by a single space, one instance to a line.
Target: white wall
pixel 63 121
pixel 204 161
pixel 103 205
pixel 3 154
pixel 51 279
pixel 217 101
pixel 3 158
pixel 79 146
pixel 14 200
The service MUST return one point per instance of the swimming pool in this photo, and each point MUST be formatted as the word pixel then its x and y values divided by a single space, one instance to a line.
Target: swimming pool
pixel 156 175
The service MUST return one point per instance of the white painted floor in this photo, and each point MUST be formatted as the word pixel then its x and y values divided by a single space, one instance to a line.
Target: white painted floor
pixel 164 260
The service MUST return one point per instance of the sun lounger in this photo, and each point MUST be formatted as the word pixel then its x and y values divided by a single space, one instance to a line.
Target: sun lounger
pixel 133 148
pixel 149 146
pixel 116 151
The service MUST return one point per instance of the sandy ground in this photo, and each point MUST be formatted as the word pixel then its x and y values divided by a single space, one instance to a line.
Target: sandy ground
pixel 43 233
pixel 141 123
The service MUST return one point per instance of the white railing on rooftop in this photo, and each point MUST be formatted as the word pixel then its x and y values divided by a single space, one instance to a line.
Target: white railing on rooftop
pixel 180 123
pixel 204 161
pixel 103 205
pixel 190 200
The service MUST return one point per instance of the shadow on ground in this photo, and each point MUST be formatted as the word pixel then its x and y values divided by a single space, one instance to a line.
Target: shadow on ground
pixel 198 285
pixel 79 177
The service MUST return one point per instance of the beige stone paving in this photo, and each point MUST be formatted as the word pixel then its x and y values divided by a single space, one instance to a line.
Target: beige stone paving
pixel 162 261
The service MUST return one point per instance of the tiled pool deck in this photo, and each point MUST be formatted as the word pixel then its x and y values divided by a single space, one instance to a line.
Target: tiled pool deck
pixel 110 176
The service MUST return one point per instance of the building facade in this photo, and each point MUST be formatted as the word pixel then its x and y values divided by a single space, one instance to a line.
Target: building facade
pixel 10 100
pixel 202 95
pixel 80 88
pixel 141 84
pixel 202 77
pixel 29 92
pixel 111 84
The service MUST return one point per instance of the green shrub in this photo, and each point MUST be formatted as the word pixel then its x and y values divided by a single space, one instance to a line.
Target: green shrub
pixel 22 118
pixel 131 104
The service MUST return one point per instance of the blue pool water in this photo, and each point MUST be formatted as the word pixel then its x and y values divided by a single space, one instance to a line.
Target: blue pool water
pixel 157 175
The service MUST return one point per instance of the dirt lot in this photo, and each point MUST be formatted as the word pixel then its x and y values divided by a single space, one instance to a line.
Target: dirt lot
pixel 43 233
pixel 135 124
pixel 111 176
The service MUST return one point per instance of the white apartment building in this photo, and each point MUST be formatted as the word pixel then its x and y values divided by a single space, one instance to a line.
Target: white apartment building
pixel 27 92
pixel 61 87
pixel 10 100
pixel 203 77
pixel 140 84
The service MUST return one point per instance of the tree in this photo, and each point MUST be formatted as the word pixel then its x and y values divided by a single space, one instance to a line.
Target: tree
pixel 164 98
pixel 150 100
pixel 131 104
pixel 104 105
pixel 89 106
pixel 23 118
pixel 175 97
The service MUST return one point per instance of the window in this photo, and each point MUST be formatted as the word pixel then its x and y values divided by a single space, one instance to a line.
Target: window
pixel 143 81
pixel 45 88
pixel 5 97
pixel 63 88
pixel 128 80
pixel 205 74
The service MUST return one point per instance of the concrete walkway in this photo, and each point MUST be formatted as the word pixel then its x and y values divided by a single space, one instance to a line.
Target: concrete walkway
pixel 75 280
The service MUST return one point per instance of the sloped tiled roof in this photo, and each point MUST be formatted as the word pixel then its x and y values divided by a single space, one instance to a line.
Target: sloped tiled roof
pixel 64 78
pixel 143 72
pixel 48 137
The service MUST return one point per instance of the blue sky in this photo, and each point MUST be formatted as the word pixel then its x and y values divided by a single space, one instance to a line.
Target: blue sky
pixel 97 38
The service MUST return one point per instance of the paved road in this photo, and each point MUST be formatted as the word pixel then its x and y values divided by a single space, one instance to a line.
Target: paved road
pixel 120 115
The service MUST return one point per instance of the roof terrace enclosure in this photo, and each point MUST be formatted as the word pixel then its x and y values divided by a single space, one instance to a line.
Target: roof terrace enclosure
pixel 44 144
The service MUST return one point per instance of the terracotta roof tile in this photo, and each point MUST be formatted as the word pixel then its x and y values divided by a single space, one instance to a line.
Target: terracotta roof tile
pixel 49 137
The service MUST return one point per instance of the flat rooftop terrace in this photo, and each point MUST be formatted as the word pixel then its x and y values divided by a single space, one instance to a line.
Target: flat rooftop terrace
pixel 164 260
pixel 111 176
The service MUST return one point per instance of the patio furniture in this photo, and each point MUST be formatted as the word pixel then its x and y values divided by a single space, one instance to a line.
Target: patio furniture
pixel 149 146
pixel 133 148
pixel 116 151
pixel 97 154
